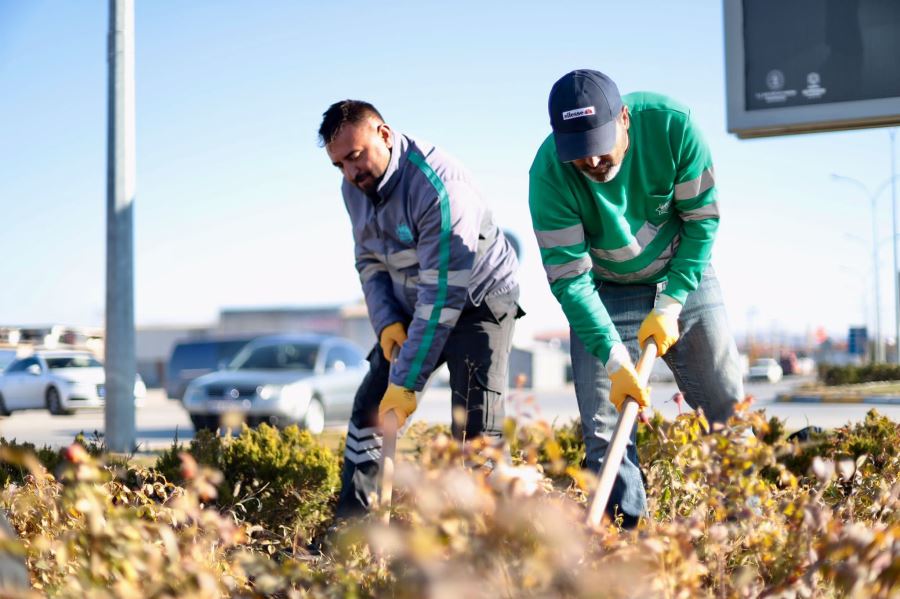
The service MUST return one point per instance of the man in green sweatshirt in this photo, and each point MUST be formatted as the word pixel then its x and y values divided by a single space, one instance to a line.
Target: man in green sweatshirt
pixel 624 207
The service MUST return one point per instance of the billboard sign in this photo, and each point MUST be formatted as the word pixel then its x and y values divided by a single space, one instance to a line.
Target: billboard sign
pixel 799 66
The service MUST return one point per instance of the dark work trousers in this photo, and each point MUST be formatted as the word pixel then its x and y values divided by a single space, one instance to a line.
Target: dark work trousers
pixel 477 356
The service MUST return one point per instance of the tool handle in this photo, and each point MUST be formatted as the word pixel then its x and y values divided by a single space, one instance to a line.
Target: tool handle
pixel 645 363
pixel 615 449
pixel 388 453
pixel 389 426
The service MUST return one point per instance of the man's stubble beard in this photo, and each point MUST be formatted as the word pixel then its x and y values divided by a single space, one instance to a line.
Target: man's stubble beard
pixel 605 177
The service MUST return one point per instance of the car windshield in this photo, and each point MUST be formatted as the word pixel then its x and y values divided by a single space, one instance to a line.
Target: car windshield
pixel 280 356
pixel 6 359
pixel 81 361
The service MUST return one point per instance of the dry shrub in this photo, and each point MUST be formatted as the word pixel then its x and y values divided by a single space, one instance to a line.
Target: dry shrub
pixel 87 534
pixel 731 516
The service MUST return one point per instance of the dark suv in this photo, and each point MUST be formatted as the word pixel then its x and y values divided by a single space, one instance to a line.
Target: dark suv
pixel 197 357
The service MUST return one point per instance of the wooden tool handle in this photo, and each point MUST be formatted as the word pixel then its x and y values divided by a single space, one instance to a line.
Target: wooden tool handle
pixel 615 450
pixel 389 426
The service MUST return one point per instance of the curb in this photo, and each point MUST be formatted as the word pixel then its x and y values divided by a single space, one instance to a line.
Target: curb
pixel 822 398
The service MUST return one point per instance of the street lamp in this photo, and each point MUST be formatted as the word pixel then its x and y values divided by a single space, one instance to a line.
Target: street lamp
pixel 893 239
pixel 864 299
pixel 896 277
pixel 879 347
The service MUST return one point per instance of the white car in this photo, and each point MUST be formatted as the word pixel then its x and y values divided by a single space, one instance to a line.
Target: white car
pixel 8 355
pixel 766 369
pixel 60 381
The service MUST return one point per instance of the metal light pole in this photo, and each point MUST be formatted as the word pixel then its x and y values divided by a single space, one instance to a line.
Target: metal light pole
pixel 879 346
pixel 120 187
pixel 896 276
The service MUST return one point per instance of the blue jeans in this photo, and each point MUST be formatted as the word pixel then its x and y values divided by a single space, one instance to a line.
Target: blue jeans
pixel 704 361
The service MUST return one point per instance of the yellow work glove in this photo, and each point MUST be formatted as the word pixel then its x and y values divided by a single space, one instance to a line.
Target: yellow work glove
pixel 392 335
pixel 624 379
pixel 661 324
pixel 399 399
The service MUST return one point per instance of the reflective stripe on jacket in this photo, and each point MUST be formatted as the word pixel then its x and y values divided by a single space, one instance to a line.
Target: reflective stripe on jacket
pixel 426 248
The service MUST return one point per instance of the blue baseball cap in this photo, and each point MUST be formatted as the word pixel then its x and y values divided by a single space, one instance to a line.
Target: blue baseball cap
pixel 584 106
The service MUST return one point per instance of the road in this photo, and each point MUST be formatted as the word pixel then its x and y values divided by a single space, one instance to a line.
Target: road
pixel 160 419
pixel 560 406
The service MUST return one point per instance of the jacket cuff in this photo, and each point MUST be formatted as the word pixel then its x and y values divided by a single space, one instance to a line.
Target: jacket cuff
pixel 679 294
pixel 668 305
pixel 618 357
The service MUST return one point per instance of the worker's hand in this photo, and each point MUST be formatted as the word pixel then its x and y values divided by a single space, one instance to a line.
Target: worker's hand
pixel 392 335
pixel 624 379
pixel 661 324
pixel 399 399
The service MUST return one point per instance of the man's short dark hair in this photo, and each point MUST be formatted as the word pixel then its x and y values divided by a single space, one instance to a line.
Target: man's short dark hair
pixel 341 113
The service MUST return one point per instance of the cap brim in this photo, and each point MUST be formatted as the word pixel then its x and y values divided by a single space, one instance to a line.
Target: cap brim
pixel 594 142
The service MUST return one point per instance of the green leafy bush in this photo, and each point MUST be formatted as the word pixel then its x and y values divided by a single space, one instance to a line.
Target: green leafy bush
pixel 207 448
pixel 851 375
pixel 283 479
pixel 876 437
pixel 13 471
pixel 570 443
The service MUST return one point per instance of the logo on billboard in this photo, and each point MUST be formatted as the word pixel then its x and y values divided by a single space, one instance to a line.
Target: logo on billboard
pixel 775 80
pixel 813 90
pixel 776 93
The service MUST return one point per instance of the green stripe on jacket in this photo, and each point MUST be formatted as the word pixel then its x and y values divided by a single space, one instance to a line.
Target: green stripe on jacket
pixel 443 268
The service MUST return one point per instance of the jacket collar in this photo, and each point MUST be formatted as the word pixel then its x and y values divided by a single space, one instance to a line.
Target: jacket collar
pixel 399 149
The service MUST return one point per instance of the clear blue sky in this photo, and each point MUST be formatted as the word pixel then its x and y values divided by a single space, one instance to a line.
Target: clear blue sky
pixel 237 205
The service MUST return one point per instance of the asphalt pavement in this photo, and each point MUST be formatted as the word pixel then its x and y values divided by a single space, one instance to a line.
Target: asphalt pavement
pixel 159 419
pixel 560 405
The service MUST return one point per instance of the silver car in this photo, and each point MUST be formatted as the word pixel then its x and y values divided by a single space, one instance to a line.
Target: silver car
pixel 309 380
pixel 766 369
pixel 60 381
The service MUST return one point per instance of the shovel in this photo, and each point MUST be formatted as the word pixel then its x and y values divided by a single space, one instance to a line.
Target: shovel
pixel 615 450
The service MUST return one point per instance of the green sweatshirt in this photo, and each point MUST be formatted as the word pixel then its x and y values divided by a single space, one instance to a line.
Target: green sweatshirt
pixel 654 222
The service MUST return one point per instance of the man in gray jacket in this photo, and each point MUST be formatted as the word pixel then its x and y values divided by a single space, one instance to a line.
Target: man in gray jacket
pixel 439 280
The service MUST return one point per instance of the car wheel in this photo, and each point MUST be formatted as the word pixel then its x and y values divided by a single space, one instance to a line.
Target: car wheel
pixel 205 422
pixel 314 419
pixel 4 411
pixel 54 403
